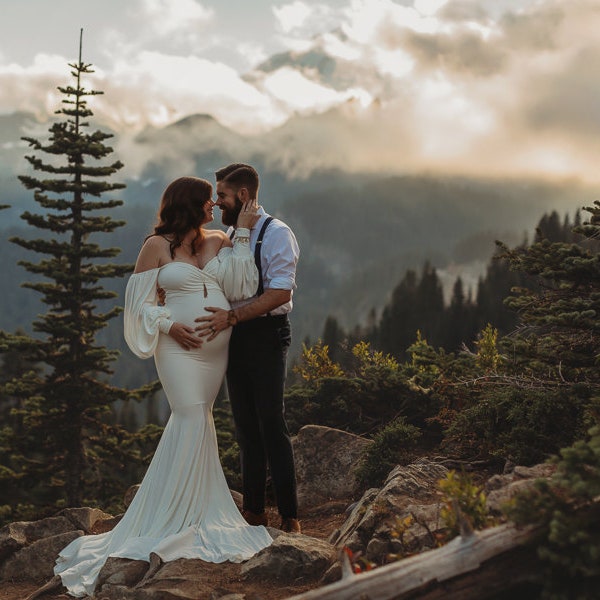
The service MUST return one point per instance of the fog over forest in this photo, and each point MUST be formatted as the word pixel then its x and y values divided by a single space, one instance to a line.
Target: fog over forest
pixel 358 232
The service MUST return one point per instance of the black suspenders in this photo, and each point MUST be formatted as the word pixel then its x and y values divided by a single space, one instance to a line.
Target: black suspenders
pixel 257 248
pixel 257 260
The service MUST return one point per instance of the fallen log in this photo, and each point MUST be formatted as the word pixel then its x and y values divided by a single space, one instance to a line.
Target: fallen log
pixel 474 566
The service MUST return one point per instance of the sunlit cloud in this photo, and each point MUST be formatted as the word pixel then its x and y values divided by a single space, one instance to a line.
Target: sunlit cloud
pixel 300 94
pixel 33 88
pixel 450 85
pixel 158 89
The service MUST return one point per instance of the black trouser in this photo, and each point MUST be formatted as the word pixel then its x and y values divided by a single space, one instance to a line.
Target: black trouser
pixel 255 382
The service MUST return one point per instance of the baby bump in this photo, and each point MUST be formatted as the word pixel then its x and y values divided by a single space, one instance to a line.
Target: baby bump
pixel 191 377
pixel 186 308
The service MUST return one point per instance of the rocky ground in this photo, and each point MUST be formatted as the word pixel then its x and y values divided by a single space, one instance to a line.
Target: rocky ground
pixel 399 519
pixel 318 522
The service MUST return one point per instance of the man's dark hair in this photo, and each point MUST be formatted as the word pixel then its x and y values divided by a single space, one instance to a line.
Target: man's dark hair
pixel 240 175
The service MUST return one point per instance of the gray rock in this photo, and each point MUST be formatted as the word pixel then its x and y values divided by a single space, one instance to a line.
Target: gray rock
pixel 291 558
pixel 15 536
pixel 238 499
pixel 35 562
pixel 495 482
pixel 541 470
pixel 377 548
pixel 500 489
pixel 325 460
pixel 121 572
pixel 496 499
pixel 182 579
pixel 130 494
pixel 12 538
pixel 84 518
pixel 409 492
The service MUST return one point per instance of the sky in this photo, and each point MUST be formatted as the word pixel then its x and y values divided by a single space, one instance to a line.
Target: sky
pixel 497 87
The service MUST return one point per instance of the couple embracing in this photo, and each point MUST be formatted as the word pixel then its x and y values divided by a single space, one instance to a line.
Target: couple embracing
pixel 226 297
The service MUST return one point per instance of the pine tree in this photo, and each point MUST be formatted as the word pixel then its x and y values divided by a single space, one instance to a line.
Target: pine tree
pixel 333 337
pixel 560 337
pixel 398 324
pixel 459 320
pixel 430 304
pixel 70 450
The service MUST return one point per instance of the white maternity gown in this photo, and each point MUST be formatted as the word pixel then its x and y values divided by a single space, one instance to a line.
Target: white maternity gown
pixel 183 508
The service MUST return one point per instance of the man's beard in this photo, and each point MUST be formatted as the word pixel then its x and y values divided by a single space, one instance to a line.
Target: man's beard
pixel 229 216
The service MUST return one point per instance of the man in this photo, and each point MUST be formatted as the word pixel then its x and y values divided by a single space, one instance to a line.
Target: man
pixel 257 353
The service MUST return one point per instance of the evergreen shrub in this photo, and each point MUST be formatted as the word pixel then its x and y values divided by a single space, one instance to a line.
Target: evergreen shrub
pixel 391 446
pixel 526 426
pixel 567 509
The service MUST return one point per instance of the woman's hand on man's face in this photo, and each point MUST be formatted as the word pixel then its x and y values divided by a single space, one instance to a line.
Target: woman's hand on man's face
pixel 248 214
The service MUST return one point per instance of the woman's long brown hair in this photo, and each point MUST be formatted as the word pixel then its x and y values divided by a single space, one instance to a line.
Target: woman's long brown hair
pixel 182 209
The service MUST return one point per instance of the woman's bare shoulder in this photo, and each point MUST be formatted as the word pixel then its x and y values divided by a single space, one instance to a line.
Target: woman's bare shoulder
pixel 152 253
pixel 217 234
pixel 218 238
pixel 155 242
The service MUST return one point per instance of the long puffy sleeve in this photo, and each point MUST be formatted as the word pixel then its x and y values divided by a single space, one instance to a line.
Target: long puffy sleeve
pixel 143 319
pixel 237 273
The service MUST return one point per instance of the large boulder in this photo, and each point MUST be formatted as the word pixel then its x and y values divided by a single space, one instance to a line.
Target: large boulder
pixel 121 572
pixel 15 536
pixel 500 489
pixel 325 462
pixel 85 518
pixel 291 559
pixel 401 517
pixel 35 562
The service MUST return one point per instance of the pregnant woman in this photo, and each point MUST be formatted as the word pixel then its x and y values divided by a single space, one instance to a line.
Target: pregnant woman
pixel 183 508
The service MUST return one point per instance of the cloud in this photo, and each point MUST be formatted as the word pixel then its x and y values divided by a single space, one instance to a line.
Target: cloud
pixel 292 16
pixel 467 52
pixel 158 89
pixel 175 17
pixel 33 88
pixel 464 11
pixel 299 94
pixel 458 85
pixel 298 23
pixel 568 100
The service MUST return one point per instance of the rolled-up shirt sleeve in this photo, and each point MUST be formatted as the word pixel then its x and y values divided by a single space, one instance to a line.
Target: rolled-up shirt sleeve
pixel 143 319
pixel 280 255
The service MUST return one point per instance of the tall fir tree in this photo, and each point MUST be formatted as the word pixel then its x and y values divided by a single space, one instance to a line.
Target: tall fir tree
pixel 69 450
pixel 560 333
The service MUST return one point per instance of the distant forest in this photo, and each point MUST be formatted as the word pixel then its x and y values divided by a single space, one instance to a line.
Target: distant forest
pixel 417 304
pixel 416 300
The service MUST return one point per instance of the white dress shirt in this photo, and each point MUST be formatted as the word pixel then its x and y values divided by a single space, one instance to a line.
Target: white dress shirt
pixel 278 256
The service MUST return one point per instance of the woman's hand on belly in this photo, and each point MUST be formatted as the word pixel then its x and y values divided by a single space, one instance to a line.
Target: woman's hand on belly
pixel 185 336
pixel 211 325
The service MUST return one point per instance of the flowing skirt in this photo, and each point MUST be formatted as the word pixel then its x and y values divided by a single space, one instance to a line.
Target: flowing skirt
pixel 183 508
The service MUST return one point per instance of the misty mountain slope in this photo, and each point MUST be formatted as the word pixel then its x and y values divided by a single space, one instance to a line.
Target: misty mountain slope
pixel 193 145
pixel 358 234
pixel 359 229
pixel 358 241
